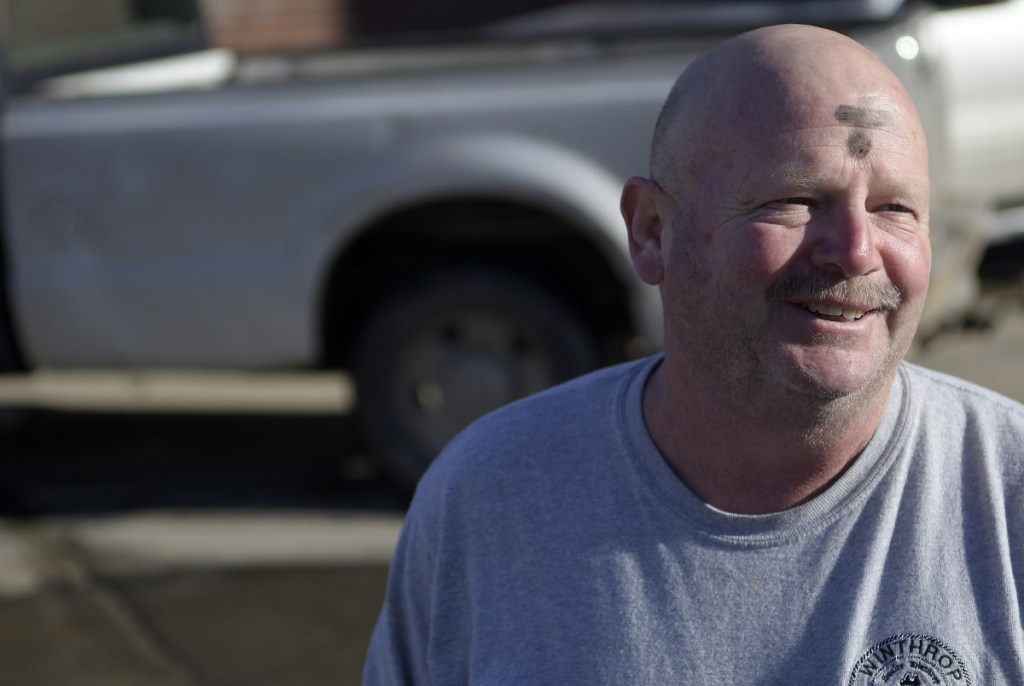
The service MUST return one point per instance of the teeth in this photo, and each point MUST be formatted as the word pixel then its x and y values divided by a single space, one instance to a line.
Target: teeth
pixel 850 315
pixel 846 313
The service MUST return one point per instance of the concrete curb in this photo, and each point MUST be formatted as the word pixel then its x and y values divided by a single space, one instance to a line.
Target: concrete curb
pixel 38 555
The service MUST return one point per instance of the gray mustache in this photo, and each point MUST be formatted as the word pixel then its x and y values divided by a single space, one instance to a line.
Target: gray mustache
pixel 883 295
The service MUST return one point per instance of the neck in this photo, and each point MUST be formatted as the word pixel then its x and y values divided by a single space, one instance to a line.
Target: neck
pixel 747 456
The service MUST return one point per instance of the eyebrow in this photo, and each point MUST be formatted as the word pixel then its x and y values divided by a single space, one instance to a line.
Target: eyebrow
pixel 800 179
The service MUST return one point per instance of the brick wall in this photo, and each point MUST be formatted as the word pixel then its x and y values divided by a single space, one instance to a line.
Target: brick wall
pixel 41 21
pixel 268 25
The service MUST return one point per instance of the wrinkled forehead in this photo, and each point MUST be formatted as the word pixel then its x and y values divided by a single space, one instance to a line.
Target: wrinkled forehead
pixel 817 143
pixel 809 104
pixel 864 122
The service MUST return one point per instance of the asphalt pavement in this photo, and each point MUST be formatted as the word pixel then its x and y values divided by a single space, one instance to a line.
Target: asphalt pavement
pixel 255 583
pixel 195 599
pixel 187 529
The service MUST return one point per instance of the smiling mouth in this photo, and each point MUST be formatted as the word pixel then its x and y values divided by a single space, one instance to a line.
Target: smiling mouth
pixel 834 312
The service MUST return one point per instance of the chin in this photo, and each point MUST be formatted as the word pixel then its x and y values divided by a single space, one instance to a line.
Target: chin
pixel 836 375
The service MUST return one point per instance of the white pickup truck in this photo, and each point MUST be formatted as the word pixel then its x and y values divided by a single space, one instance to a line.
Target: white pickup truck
pixel 439 218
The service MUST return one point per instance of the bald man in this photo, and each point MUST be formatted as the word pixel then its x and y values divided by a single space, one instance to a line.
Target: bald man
pixel 778 498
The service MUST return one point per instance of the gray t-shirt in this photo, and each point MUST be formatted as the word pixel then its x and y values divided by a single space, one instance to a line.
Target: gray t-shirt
pixel 552 544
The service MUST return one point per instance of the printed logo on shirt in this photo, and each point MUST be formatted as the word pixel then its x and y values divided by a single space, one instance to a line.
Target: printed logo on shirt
pixel 910 660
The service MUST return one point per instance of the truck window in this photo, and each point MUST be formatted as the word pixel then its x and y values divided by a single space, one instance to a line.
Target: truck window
pixel 50 37
pixel 410 19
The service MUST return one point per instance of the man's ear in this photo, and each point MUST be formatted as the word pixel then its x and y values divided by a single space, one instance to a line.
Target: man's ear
pixel 640 205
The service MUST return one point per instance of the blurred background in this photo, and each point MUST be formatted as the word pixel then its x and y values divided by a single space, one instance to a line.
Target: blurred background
pixel 261 259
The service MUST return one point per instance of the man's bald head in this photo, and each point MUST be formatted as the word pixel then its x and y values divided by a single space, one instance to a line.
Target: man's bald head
pixel 756 84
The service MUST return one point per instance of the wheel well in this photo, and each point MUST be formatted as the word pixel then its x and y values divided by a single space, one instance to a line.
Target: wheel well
pixel 503 234
pixel 11 358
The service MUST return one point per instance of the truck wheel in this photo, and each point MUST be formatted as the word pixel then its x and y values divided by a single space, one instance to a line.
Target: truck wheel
pixel 449 346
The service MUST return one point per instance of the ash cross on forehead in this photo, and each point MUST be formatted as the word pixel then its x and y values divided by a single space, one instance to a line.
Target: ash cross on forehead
pixel 859 142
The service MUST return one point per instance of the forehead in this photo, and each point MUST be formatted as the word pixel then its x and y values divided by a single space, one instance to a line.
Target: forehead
pixel 858 115
pixel 873 134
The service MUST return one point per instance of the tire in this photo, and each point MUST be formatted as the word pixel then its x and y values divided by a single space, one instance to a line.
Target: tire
pixel 452 345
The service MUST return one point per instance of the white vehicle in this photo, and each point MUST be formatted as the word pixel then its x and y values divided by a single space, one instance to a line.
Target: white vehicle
pixel 441 219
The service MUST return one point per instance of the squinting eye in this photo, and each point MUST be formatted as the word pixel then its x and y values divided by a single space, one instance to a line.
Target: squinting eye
pixel 895 207
pixel 798 201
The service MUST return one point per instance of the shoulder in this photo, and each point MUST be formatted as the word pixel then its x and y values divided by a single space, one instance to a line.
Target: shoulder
pixel 574 400
pixel 537 441
pixel 960 420
pixel 950 396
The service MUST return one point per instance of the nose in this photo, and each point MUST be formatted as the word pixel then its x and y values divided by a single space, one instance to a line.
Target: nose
pixel 846 243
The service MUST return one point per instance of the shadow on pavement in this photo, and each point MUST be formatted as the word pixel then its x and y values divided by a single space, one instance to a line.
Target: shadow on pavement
pixel 80 621
pixel 78 462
